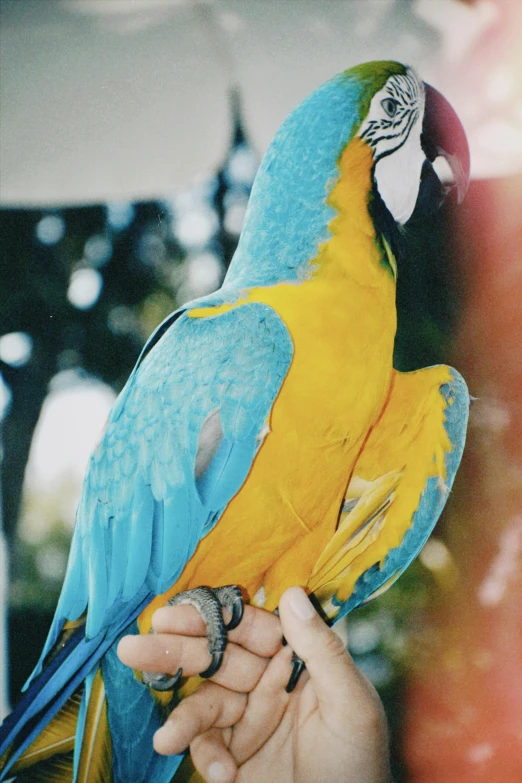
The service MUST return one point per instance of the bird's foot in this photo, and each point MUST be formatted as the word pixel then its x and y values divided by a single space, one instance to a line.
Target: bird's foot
pixel 210 603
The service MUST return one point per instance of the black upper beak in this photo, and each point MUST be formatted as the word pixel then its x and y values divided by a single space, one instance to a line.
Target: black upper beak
pixel 443 134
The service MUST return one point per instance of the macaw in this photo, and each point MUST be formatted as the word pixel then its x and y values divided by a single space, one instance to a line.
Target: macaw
pixel 264 438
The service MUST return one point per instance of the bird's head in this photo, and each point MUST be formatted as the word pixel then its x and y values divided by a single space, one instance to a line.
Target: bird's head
pixel 408 125
pixel 380 109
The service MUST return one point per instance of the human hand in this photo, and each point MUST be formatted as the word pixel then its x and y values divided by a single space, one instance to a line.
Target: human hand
pixel 242 725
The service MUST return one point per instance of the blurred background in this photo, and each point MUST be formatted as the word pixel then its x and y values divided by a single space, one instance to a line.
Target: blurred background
pixel 130 134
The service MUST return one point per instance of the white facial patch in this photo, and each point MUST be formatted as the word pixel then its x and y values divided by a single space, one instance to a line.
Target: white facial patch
pixel 393 129
pixel 398 177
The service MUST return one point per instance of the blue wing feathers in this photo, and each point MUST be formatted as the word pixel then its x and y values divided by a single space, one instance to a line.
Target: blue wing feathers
pixel 98 581
pixel 118 559
pixel 227 475
pixel 141 516
pixel 206 483
pixel 157 546
pixel 76 580
pixel 180 540
pixel 196 366
pixel 138 539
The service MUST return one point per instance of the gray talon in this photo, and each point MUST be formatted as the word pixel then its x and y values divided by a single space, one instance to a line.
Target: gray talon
pixel 217 659
pixel 209 603
pixel 161 682
pixel 231 598
pixel 298 667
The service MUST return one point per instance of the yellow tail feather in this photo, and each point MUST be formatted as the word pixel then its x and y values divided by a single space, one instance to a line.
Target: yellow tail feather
pixel 57 769
pixel 57 738
pixel 95 764
pixel 50 758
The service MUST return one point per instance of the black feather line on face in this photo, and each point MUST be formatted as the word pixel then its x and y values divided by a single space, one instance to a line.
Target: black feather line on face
pixel 403 136
pixel 399 127
pixel 385 224
pixel 394 91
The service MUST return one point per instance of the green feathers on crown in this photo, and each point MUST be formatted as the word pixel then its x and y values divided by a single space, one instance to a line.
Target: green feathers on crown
pixel 370 78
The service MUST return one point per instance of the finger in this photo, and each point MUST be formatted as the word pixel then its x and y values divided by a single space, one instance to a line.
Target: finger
pixel 212 759
pixel 166 653
pixel 336 679
pixel 259 631
pixel 209 706
pixel 266 706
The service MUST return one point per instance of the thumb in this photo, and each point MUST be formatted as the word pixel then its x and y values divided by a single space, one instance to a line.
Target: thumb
pixel 336 679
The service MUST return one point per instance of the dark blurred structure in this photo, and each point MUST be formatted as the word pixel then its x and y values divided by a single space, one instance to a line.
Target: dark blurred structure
pixel 464 711
pixel 464 706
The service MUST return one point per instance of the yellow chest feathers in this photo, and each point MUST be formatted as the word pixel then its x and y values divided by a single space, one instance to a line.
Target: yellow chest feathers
pixel 341 318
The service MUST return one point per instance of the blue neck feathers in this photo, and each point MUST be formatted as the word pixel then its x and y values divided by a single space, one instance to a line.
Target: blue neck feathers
pixel 287 217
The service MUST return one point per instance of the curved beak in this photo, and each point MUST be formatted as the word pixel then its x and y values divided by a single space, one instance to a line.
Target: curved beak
pixel 443 135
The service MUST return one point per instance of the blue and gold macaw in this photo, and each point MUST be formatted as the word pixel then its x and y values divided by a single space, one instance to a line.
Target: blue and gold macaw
pixel 264 438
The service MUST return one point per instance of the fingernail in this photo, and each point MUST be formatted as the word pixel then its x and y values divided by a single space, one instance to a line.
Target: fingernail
pixel 156 617
pixel 217 773
pixel 163 738
pixel 301 605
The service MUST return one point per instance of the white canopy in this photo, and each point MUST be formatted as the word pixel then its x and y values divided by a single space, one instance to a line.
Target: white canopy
pixel 128 99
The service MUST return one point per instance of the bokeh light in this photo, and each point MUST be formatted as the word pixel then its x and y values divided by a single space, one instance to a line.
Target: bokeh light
pixel 120 214
pixel 203 274
pixel 16 348
pixel 50 229
pixel 196 228
pixel 84 288
pixel 98 250
pixel 242 166
pixel 51 562
pixel 5 398
pixel 235 209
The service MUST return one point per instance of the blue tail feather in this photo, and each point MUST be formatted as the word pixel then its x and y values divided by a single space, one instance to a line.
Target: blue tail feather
pixel 58 681
pixel 133 719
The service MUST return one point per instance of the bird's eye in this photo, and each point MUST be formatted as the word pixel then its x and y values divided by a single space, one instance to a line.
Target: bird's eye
pixel 390 106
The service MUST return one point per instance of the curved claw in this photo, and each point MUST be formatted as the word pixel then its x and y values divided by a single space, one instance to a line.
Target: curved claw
pixel 163 683
pixel 230 597
pixel 237 615
pixel 217 659
pixel 298 667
